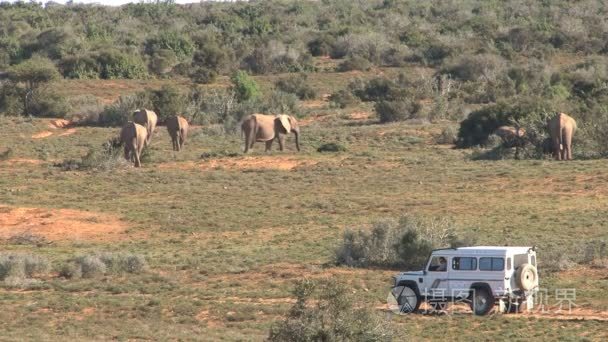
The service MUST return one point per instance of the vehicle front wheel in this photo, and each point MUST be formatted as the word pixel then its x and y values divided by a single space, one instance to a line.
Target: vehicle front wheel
pixel 482 301
pixel 408 299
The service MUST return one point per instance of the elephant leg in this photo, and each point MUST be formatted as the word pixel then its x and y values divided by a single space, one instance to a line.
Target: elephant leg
pixel 281 140
pixel 269 145
pixel 137 162
pixel 556 149
pixel 126 152
pixel 248 143
pixel 567 139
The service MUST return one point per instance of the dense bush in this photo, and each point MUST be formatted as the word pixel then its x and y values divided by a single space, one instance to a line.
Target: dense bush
pixel 244 87
pixel 331 147
pixel 327 311
pixel 97 264
pixel 354 63
pixel 406 243
pixel 298 85
pixel 21 266
pixel 343 98
pixel 167 101
pixel 478 126
pixel 390 111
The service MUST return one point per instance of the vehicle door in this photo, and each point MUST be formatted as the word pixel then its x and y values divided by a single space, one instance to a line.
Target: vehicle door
pixel 435 282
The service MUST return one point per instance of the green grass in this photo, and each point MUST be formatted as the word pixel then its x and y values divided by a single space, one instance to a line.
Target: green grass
pixel 226 244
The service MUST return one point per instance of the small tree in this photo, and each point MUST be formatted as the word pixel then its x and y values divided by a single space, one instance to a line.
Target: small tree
pixel 30 77
pixel 245 87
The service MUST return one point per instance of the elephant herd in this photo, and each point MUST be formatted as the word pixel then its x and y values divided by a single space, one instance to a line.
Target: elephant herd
pixel 137 134
pixel 561 129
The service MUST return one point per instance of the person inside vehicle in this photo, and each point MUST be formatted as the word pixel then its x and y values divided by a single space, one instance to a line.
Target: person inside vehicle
pixel 443 265
pixel 438 264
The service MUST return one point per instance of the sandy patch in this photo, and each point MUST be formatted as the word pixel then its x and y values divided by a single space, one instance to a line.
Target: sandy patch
pixel 360 115
pixel 59 224
pixel 16 161
pixel 312 119
pixel 42 135
pixel 60 123
pixel 283 163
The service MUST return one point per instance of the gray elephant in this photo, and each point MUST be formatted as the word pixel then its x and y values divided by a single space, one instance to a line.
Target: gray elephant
pixel 266 128
pixel 148 119
pixel 561 129
pixel 133 136
pixel 178 130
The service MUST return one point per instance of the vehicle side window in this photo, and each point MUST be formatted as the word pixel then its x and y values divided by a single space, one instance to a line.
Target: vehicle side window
pixel 508 264
pixel 438 264
pixel 533 259
pixel 464 264
pixel 491 264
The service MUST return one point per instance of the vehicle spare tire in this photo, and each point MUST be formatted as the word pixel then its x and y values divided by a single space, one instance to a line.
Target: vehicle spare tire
pixel 526 276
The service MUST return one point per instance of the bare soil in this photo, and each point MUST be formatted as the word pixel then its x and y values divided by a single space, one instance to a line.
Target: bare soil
pixel 59 224
pixel 284 163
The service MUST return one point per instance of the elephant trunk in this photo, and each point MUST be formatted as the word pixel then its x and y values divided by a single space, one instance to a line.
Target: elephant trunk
pixel 296 132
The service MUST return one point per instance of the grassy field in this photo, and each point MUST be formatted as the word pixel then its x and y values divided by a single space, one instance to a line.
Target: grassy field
pixel 226 237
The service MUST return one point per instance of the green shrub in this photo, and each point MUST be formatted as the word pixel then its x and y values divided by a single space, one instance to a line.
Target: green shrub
pixel 391 111
pixel 331 147
pixel 178 43
pixel 297 85
pixel 447 136
pixel 115 64
pixel 121 111
pixel 167 101
pixel 327 311
pixel 80 67
pixel 476 128
pixel 343 98
pixel 321 45
pixel 406 243
pixel 203 75
pixel 244 86
pixel 97 264
pixel 17 265
pixel 108 158
pixel 49 104
pixel 278 102
pixel 354 63
pixel 378 89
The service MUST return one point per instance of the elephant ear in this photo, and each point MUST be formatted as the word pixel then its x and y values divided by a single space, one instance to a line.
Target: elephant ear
pixel 284 120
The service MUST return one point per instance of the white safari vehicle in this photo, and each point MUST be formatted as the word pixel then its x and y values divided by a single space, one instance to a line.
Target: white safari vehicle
pixel 480 276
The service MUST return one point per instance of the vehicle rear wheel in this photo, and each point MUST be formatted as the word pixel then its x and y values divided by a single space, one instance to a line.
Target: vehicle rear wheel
pixel 408 299
pixel 482 301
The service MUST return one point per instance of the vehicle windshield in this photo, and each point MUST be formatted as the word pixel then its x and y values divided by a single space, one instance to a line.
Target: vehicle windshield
pixel 438 264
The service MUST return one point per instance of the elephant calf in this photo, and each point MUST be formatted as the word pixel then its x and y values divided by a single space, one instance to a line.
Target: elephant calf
pixel 133 136
pixel 260 127
pixel 561 129
pixel 178 130
pixel 510 135
pixel 148 119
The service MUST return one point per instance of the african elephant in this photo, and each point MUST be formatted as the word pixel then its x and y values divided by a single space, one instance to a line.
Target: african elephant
pixel 561 129
pixel 260 127
pixel 148 119
pixel 178 130
pixel 510 135
pixel 134 136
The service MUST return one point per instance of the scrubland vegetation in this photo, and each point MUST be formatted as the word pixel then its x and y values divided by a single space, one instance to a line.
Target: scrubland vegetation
pixel 287 246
